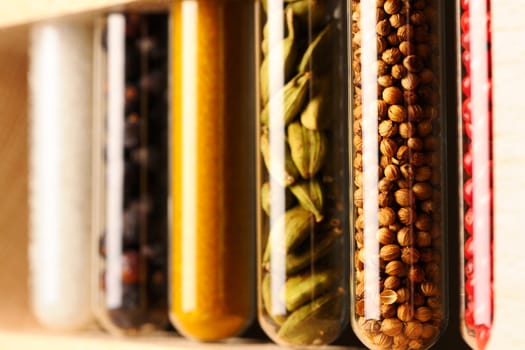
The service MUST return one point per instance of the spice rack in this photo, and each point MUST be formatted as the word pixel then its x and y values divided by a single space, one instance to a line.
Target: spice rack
pixel 18 329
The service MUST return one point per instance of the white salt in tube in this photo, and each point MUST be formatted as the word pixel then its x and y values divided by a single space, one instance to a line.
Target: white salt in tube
pixel 60 80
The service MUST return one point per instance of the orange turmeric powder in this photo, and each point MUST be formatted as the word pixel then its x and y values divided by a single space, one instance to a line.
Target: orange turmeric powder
pixel 213 224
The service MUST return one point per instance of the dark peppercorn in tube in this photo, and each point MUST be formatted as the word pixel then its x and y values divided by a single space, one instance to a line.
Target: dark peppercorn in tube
pixel 131 174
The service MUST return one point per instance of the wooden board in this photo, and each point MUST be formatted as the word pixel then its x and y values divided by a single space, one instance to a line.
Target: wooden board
pixel 16 12
pixel 13 186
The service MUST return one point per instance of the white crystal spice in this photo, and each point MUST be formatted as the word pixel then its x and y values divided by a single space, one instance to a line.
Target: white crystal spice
pixel 60 77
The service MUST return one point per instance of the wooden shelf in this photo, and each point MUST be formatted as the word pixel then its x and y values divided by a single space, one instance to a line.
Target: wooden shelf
pixel 17 12
pixel 100 341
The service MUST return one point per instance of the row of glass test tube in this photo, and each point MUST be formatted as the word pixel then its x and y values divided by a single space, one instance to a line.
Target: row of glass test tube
pixel 296 148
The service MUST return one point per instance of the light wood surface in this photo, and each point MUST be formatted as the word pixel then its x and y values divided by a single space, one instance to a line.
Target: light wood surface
pixel 509 147
pixel 509 123
pixel 15 12
pixel 13 187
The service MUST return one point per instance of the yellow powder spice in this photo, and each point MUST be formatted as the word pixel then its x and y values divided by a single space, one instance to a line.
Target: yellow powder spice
pixel 212 245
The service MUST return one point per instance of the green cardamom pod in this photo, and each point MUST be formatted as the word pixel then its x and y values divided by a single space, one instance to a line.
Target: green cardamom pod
pixel 312 116
pixel 320 50
pixel 302 258
pixel 283 195
pixel 287 103
pixel 310 195
pixel 282 170
pixel 266 294
pixel 300 289
pixel 283 55
pixel 312 13
pixel 318 322
pixel 265 197
pixel 308 149
pixel 318 113
pixel 264 42
pixel 288 231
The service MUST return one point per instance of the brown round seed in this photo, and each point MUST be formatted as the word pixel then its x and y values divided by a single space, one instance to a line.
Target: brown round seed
pixel 407 170
pixel 423 222
pixel 391 326
pixel 407 130
pixel 397 113
pixel 415 143
pixel 417 18
pixel 402 153
pixel 410 97
pixel 405 312
pixel 390 252
pixel 405 32
pixel 360 307
pixel 383 27
pixel 387 128
pixel 392 55
pixel 413 63
pixel 385 199
pixel 410 255
pixel 388 296
pixel 416 274
pixel 385 80
pixel 406 47
pixel 382 43
pixel 384 185
pixel 413 329
pixel 423 173
pixel 397 20
pixel 392 172
pixel 393 39
pixel 429 289
pixel 398 71
pixel 423 314
pixel 429 331
pixel 358 198
pixel 424 128
pixel 388 310
pixel 392 6
pixel 388 147
pixel 405 237
pixel 382 340
pixel 422 190
pixel 395 268
pixel 392 282
pixel 406 215
pixel 404 197
pixel 415 112
pixel 358 143
pixel 385 236
pixel 403 295
pixel 401 342
pixel 416 344
pixel 423 239
pixel 386 216
pixel 392 95
pixel 410 81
